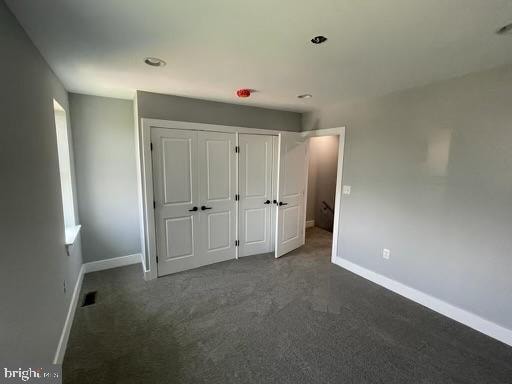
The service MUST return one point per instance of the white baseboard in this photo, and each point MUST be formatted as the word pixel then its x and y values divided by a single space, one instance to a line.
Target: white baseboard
pixel 86 268
pixel 63 341
pixel 310 223
pixel 115 262
pixel 462 316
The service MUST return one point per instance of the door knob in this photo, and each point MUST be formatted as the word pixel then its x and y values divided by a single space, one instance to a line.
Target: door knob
pixel 204 207
pixel 275 201
pixel 281 203
pixel 193 209
pixel 267 202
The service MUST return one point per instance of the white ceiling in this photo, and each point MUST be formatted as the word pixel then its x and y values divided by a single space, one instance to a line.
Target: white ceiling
pixel 214 47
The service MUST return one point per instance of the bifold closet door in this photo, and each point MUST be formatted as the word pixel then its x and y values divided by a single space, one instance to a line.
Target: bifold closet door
pixel 255 186
pixel 217 189
pixel 176 193
pixel 194 183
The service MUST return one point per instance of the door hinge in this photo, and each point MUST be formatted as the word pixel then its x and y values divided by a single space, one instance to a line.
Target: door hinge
pixel 237 197
pixel 157 259
pixel 154 204
pixel 151 146
pixel 237 149
pixel 237 243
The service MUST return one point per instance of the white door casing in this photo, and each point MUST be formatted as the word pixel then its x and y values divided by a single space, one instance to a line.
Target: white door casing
pixel 290 228
pixel 256 194
pixel 217 189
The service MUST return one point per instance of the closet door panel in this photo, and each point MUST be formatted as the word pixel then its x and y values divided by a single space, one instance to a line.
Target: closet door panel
pixel 217 189
pixel 291 187
pixel 255 172
pixel 176 192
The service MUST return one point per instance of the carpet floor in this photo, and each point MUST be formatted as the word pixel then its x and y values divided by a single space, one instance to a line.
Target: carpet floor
pixel 298 319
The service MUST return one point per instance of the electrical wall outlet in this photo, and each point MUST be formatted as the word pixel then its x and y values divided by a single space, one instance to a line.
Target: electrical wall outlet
pixel 386 254
pixel 347 189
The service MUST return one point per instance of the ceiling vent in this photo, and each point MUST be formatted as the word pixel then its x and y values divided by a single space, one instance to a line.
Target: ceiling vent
pixel 319 39
pixel 154 62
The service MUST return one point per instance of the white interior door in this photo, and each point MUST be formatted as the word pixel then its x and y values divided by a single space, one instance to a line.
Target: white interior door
pixel 290 194
pixel 217 189
pixel 255 186
pixel 176 193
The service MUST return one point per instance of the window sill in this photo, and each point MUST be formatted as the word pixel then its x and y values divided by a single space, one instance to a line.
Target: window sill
pixel 72 234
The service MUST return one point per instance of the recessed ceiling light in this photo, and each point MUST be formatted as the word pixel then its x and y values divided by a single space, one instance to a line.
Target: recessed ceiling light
pixel 319 39
pixel 154 62
pixel 305 96
pixel 506 29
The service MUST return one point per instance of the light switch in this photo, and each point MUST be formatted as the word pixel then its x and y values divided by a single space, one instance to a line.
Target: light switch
pixel 386 253
pixel 347 189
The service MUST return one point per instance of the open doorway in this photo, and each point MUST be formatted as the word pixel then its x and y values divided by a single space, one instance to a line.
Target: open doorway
pixel 292 189
pixel 324 188
pixel 321 188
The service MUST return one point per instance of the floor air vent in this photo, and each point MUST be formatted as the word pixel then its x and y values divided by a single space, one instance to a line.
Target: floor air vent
pixel 89 299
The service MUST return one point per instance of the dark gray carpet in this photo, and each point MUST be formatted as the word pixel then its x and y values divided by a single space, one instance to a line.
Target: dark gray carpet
pixel 295 320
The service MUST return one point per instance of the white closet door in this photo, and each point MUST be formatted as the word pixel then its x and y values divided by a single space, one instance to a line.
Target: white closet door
pixel 217 189
pixel 176 193
pixel 291 187
pixel 255 209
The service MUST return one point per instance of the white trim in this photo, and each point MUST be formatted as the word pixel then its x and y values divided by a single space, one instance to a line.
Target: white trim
pixel 63 341
pixel 140 192
pixel 157 123
pixel 71 233
pixel 462 316
pixel 310 223
pixel 115 262
pixel 305 194
pixel 148 217
pixel 86 268
pixel 237 202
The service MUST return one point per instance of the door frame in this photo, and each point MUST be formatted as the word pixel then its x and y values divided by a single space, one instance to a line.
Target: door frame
pixel 143 155
pixel 339 131
pixel 147 214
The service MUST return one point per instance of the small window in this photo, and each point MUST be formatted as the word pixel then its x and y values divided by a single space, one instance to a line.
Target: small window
pixel 65 173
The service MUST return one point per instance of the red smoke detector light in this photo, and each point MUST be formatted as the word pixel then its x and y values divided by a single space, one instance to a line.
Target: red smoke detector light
pixel 244 92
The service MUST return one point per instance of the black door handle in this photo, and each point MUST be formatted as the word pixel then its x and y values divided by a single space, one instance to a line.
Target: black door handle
pixel 281 203
pixel 193 209
pixel 267 202
pixel 204 207
pixel 275 201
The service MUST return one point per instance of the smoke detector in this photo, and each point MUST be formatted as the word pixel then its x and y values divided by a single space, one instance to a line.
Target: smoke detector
pixel 244 92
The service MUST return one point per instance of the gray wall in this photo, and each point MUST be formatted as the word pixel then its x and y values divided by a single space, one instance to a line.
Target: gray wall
pixel 158 106
pixel 322 174
pixel 104 147
pixel 34 263
pixel 431 176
